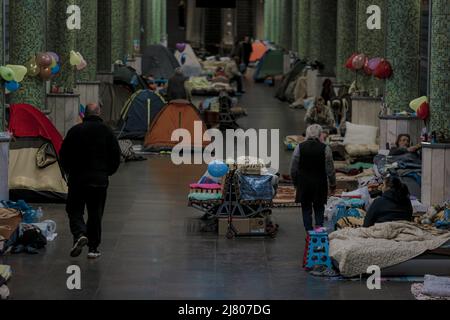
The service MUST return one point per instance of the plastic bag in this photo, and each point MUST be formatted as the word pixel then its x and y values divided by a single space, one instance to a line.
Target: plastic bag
pixel 256 188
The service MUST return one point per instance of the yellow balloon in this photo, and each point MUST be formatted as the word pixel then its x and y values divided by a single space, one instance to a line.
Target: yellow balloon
pixel 74 58
pixel 32 67
pixel 19 72
pixel 54 63
pixel 6 73
pixel 416 103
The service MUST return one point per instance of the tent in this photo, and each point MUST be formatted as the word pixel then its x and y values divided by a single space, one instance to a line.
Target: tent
pixel 159 62
pixel 271 64
pixel 34 171
pixel 178 114
pixel 259 49
pixel 289 79
pixel 189 62
pixel 127 76
pixel 138 114
pixel 112 99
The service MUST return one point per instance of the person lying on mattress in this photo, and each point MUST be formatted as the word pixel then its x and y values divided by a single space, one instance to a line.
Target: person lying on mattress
pixel 393 205
pixel 403 146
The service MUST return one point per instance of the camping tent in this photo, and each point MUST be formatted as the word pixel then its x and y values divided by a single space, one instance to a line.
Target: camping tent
pixel 138 114
pixel 271 64
pixel 34 171
pixel 289 79
pixel 178 114
pixel 259 49
pixel 159 62
pixel 189 62
pixel 112 99
pixel 127 76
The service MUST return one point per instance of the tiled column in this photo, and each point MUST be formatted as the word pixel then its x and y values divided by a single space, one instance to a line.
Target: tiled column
pixel 303 28
pixel 62 40
pixel 277 21
pixel 147 38
pixel 370 42
pixel 285 23
pixel 294 27
pixel 27 30
pixel 87 39
pixel 2 61
pixel 267 19
pixel 323 34
pixel 163 20
pixel 117 29
pixel 346 39
pixel 402 50
pixel 440 66
pixel 156 24
pixel 132 25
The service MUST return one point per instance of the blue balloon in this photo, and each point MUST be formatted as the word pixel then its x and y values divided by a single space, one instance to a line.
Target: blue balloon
pixel 56 69
pixel 12 86
pixel 217 169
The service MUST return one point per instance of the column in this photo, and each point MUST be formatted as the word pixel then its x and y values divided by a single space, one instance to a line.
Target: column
pixel 24 43
pixel 156 24
pixel 61 40
pixel 286 23
pixel 276 21
pixel 370 42
pixel 2 62
pixel 194 23
pixel 402 50
pixel 303 28
pixel 87 39
pixel 163 35
pixel 267 19
pixel 132 25
pixel 294 27
pixel 147 38
pixel 117 29
pixel 440 66
pixel 323 34
pixel 346 39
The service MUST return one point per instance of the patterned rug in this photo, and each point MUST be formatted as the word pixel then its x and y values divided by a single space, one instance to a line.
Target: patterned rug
pixel 285 197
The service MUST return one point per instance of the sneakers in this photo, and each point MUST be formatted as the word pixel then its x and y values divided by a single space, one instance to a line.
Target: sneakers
pixel 94 254
pixel 78 246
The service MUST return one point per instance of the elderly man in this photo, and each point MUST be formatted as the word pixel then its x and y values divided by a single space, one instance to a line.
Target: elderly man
pixel 89 155
pixel 322 115
pixel 312 172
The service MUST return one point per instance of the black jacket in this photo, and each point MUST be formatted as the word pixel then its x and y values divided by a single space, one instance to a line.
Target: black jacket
pixel 177 88
pixel 90 153
pixel 388 208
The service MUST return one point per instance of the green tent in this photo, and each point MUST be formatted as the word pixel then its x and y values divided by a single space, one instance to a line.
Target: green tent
pixel 272 64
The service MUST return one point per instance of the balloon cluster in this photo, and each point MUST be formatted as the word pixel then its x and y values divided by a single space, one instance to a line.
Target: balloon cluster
pixel 45 65
pixel 77 60
pixel 12 76
pixel 378 67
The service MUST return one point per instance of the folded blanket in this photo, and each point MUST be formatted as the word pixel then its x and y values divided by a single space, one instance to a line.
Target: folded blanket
pixel 436 286
pixel 383 245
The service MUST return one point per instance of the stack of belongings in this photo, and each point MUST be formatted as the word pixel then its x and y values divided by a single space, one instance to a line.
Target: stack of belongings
pixel 5 275
pixel 201 86
pixel 291 142
pixel 360 143
pixel 437 216
pixel 347 211
pixel 433 288
pixel 205 192
pixel 10 220
pixel 211 64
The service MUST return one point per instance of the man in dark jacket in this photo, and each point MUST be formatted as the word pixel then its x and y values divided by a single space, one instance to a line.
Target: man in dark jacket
pixel 313 173
pixel 247 50
pixel 89 155
pixel 176 89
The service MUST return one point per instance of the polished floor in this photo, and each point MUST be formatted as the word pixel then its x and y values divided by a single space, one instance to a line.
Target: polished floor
pixel 152 247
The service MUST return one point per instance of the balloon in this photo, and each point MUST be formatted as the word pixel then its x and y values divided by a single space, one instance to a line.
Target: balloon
pixel 82 65
pixel 384 70
pixel 358 61
pixel 373 63
pixel 43 60
pixel 367 70
pixel 32 67
pixel 75 59
pixel 424 111
pixel 53 64
pixel 181 47
pixel 46 73
pixel 19 72
pixel 217 169
pixel 349 64
pixel 54 56
pixel 416 103
pixel 12 86
pixel 6 73
pixel 56 69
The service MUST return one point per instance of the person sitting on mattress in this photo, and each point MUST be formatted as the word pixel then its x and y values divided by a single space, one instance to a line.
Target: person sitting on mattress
pixel 393 205
pixel 403 146
pixel 322 115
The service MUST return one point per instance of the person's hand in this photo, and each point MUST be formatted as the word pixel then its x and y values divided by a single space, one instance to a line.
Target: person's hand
pixel 413 149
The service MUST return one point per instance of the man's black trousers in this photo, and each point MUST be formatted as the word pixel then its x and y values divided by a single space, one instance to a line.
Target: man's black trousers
pixel 93 199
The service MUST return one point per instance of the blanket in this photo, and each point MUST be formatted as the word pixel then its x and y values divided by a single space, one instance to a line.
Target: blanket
pixel 383 245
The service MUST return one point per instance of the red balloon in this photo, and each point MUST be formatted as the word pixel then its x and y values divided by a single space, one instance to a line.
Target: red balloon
pixel 43 59
pixel 358 61
pixel 349 64
pixel 424 111
pixel 367 69
pixel 46 73
pixel 384 70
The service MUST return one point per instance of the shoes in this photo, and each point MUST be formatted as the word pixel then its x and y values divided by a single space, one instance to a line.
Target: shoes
pixel 94 254
pixel 78 246
pixel 322 271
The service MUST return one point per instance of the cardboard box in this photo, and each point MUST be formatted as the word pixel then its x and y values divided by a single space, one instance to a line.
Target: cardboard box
pixel 243 226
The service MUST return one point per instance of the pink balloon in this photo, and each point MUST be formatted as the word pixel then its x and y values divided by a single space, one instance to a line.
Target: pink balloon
pixel 358 61
pixel 373 63
pixel 181 47
pixel 82 65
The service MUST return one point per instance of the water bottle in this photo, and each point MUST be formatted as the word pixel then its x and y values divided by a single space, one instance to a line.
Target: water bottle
pixel 39 214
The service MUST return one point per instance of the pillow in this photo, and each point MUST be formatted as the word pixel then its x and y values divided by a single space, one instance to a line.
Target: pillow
pixel 359 134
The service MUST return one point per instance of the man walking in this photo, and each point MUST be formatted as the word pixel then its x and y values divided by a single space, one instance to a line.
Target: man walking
pixel 89 155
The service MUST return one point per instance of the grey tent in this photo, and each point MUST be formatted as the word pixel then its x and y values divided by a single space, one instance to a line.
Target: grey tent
pixel 289 78
pixel 138 114
pixel 159 62
pixel 112 99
